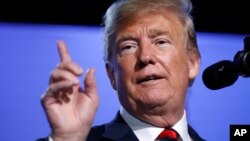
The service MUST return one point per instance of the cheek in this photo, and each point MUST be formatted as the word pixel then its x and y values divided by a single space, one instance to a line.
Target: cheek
pixel 124 81
pixel 181 71
pixel 177 66
pixel 125 70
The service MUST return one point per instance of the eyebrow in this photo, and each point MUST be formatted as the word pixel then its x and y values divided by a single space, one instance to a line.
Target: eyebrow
pixel 155 33
pixel 126 37
pixel 151 34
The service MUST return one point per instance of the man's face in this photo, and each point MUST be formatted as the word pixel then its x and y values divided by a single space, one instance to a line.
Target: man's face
pixel 150 67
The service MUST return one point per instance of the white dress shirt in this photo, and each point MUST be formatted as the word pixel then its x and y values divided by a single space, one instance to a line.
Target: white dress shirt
pixel 148 132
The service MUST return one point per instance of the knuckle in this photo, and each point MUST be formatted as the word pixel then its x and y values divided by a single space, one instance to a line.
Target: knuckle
pixel 50 89
pixel 63 65
pixel 53 76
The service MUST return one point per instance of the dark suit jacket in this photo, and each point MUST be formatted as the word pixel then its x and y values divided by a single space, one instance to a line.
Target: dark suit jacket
pixel 118 130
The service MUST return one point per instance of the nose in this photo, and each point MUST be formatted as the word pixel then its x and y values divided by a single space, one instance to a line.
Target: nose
pixel 146 55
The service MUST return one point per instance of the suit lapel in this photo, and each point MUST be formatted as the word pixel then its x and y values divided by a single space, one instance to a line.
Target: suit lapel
pixel 193 134
pixel 118 130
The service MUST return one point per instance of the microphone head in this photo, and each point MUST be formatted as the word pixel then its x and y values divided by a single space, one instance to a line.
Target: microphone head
pixel 220 75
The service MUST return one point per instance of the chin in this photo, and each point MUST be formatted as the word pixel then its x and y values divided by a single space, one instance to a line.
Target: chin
pixel 152 101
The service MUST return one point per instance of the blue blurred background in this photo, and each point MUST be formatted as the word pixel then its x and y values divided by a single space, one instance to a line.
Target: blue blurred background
pixel 28 54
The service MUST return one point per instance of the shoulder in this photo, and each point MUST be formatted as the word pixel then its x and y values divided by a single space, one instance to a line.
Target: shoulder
pixel 43 139
pixel 96 133
pixel 117 129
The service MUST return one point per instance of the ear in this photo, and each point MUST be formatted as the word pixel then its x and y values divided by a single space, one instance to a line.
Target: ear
pixel 111 75
pixel 193 64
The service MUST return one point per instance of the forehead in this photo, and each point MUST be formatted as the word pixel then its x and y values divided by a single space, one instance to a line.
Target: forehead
pixel 151 23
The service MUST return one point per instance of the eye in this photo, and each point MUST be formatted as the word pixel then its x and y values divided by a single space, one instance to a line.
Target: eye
pixel 162 42
pixel 128 47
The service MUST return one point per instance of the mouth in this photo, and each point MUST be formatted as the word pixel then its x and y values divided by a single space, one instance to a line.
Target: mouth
pixel 148 78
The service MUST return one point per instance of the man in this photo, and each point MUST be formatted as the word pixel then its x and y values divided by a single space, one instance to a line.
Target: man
pixel 151 58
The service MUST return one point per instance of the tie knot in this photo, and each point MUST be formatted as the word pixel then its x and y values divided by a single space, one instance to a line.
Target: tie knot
pixel 168 134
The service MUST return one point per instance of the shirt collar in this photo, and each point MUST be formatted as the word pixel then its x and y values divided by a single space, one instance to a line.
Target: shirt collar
pixel 148 132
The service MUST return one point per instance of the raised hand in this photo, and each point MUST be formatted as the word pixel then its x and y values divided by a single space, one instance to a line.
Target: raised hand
pixel 69 108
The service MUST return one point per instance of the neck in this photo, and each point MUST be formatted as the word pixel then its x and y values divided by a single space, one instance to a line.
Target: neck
pixel 158 117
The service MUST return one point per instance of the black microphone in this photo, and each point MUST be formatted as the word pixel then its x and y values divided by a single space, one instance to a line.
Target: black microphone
pixel 224 73
pixel 221 74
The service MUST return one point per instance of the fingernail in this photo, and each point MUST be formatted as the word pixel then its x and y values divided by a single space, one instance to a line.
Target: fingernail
pixel 90 70
pixel 87 71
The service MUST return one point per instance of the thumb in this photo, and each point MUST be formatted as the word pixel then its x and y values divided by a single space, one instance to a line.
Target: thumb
pixel 90 83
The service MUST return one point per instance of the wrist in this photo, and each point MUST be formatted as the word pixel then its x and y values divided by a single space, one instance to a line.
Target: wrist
pixel 67 137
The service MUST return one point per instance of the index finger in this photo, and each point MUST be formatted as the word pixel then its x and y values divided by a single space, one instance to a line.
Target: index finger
pixel 63 52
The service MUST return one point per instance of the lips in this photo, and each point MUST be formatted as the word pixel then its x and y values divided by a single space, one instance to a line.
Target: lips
pixel 148 78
